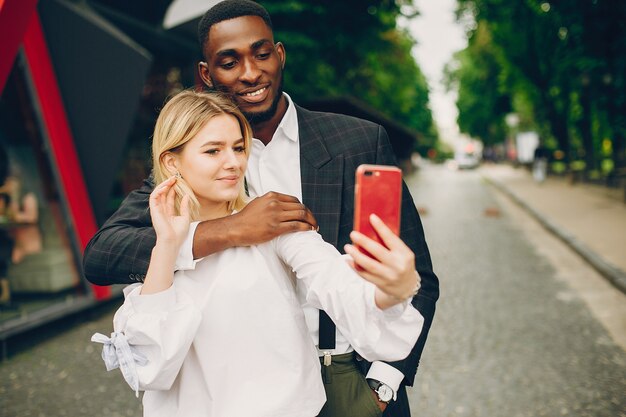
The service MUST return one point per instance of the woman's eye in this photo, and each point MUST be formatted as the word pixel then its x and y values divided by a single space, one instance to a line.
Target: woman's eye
pixel 212 151
pixel 240 149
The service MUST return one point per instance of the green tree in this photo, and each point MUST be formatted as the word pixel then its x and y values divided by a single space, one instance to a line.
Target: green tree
pixel 566 61
pixel 477 75
pixel 354 48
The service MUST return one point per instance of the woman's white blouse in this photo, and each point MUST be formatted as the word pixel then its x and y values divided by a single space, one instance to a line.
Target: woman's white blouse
pixel 229 339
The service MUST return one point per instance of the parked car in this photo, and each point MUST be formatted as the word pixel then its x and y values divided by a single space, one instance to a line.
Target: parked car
pixel 466 160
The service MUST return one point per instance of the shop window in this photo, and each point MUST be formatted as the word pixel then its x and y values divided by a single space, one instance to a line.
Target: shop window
pixel 38 266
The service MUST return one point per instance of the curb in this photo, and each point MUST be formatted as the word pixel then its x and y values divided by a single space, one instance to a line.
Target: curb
pixel 613 274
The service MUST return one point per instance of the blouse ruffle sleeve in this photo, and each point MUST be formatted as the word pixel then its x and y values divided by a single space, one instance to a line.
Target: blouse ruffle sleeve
pixel 184 259
pixel 332 285
pixel 159 330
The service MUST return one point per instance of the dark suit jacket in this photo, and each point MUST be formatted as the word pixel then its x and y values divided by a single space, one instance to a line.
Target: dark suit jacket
pixel 331 148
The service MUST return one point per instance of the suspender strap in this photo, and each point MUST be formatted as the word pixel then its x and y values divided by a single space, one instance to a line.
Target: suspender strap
pixel 326 332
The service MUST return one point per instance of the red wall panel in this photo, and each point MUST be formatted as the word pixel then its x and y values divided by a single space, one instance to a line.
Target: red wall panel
pixel 59 135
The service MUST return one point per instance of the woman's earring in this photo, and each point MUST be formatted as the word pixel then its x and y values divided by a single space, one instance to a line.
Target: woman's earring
pixel 178 176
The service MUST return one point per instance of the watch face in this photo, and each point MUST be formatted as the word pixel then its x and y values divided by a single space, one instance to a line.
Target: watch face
pixel 385 393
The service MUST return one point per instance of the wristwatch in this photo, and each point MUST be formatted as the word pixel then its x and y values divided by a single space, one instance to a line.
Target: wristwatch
pixel 384 391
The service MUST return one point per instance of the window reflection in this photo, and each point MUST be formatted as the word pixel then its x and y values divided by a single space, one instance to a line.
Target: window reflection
pixel 37 264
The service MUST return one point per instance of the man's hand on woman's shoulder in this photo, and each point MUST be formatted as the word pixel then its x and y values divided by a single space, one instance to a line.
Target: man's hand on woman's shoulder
pixel 271 215
pixel 264 218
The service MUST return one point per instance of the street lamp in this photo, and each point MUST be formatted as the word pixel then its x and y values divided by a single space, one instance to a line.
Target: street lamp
pixel 512 121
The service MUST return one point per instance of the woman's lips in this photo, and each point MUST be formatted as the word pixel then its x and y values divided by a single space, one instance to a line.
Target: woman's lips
pixel 230 179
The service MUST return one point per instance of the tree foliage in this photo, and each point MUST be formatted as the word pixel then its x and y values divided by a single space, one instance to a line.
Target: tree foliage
pixel 354 48
pixel 563 64
pixel 482 100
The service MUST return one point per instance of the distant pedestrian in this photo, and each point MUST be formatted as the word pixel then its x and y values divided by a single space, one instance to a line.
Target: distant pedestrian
pixel 540 164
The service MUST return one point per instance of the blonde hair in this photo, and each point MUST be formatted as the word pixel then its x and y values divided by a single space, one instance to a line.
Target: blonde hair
pixel 180 120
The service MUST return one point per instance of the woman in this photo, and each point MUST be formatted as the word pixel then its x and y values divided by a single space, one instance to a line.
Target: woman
pixel 228 338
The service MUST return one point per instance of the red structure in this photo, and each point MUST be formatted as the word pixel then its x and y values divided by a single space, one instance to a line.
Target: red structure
pixel 80 87
pixel 25 22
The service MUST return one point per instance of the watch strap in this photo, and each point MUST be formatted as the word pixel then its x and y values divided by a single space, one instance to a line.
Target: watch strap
pixel 375 385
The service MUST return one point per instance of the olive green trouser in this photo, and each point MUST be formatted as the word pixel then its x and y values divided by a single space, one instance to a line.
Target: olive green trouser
pixel 347 392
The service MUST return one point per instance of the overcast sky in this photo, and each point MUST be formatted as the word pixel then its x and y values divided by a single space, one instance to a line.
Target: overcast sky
pixel 438 36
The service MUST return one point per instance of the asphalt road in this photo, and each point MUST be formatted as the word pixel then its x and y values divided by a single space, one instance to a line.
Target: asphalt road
pixel 512 336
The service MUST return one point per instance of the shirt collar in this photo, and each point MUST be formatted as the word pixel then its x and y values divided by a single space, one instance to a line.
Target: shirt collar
pixel 289 124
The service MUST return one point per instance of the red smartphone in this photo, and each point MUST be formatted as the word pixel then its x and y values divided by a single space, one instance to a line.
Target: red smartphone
pixel 378 190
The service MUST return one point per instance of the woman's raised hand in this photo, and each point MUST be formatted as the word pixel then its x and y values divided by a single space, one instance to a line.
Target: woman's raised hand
pixel 171 227
pixel 392 270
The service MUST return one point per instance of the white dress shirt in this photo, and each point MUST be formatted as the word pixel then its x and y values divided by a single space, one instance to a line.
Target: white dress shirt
pixel 276 167
pixel 228 338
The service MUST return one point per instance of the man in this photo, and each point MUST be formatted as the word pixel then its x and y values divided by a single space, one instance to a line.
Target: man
pixel 309 155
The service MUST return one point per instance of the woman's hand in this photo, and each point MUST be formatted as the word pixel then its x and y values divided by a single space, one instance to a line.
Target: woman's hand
pixel 171 228
pixel 392 268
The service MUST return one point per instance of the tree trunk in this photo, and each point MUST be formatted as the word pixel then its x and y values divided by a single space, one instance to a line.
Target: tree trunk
pixel 619 153
pixel 584 125
pixel 558 125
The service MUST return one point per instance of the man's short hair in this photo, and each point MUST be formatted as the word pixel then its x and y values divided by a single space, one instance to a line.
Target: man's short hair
pixel 226 10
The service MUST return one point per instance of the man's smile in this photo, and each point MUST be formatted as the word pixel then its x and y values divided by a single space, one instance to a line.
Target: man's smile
pixel 254 95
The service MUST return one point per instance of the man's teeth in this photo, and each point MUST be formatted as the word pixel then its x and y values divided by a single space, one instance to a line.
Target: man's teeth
pixel 256 93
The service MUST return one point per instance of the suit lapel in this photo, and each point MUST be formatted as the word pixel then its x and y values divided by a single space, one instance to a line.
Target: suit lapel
pixel 321 176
